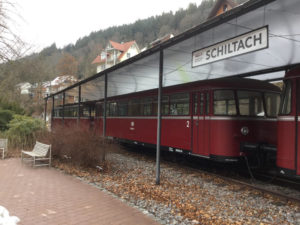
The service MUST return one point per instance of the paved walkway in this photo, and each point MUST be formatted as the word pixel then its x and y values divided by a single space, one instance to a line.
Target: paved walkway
pixel 46 196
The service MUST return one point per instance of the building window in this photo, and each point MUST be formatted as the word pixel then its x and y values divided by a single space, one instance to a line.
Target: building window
pixel 128 55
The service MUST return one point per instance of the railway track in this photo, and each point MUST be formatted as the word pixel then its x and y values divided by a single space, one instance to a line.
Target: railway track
pixel 258 186
pixel 263 182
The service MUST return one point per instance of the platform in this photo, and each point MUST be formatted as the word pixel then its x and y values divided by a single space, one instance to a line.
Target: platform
pixel 47 196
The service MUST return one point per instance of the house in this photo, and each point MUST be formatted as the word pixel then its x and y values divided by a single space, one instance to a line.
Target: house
pixel 114 53
pixel 59 83
pixel 220 7
pixel 25 88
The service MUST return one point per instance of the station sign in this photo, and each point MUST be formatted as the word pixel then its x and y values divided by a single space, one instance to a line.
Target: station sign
pixel 249 42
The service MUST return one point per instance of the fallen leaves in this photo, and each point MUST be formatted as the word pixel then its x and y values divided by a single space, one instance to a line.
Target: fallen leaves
pixel 195 196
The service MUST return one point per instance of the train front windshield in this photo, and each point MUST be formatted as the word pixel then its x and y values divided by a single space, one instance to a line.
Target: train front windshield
pixel 286 100
pixel 246 103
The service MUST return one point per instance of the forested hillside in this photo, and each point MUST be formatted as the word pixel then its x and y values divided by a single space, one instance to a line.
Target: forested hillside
pixel 76 59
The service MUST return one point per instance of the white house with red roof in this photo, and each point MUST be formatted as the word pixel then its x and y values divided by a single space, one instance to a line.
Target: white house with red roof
pixel 114 53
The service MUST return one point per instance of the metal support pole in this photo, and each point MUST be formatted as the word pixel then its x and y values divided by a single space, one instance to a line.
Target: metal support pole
pixel 161 62
pixel 52 111
pixel 45 110
pixel 63 108
pixel 79 101
pixel 105 105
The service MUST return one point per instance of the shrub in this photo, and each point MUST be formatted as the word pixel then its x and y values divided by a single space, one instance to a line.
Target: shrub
pixel 5 117
pixel 81 147
pixel 23 131
pixel 12 106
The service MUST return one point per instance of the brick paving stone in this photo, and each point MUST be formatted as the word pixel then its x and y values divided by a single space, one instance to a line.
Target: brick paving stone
pixel 46 196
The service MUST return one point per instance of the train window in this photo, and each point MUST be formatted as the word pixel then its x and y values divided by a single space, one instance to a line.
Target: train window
pixel 75 111
pixel 272 101
pixel 122 108
pixel 60 112
pixel 107 108
pixel 84 111
pixel 224 103
pixel 179 104
pixel 66 111
pixel 207 104
pixel 70 111
pixel 164 106
pixel 99 109
pixel 146 106
pixel 201 104
pixel 92 111
pixel 195 97
pixel 57 112
pixel 134 107
pixel 112 109
pixel 250 103
pixel 286 100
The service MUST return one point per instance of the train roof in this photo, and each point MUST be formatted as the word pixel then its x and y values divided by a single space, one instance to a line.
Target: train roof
pixel 221 83
pixel 293 73
pixel 230 82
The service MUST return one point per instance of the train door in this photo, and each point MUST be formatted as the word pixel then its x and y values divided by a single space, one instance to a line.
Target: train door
pixel 201 123
pixel 297 153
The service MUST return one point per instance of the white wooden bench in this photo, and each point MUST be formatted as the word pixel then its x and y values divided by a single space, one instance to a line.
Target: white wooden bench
pixel 3 146
pixel 40 152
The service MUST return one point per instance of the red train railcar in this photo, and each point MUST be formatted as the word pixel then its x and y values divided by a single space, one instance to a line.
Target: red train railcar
pixel 288 151
pixel 215 119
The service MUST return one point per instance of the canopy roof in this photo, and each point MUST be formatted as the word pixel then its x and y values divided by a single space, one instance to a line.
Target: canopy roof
pixel 268 27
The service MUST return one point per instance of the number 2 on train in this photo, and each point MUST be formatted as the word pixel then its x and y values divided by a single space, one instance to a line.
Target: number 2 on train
pixel 187 123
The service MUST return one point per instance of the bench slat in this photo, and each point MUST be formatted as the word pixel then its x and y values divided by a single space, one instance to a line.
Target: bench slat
pixel 41 149
pixel 39 153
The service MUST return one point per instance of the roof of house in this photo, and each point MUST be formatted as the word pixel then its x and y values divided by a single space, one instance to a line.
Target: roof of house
pixel 122 47
pixel 98 60
pixel 24 85
pixel 60 80
pixel 217 6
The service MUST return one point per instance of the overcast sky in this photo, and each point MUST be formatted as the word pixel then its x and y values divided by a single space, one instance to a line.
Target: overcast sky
pixel 43 23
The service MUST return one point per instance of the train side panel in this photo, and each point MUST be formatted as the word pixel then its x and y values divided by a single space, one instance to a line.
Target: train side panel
pixel 70 122
pixel 176 132
pixel 85 124
pixel 288 151
pixel 286 143
pixel 56 123
pixel 98 126
pixel 227 136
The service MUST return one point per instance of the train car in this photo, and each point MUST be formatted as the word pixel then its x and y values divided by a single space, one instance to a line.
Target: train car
pixel 288 152
pixel 218 119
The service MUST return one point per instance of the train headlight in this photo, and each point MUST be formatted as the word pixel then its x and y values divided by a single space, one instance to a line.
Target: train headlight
pixel 245 131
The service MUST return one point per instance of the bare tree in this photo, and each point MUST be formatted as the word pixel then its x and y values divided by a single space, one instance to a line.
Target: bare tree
pixel 11 46
pixel 67 65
